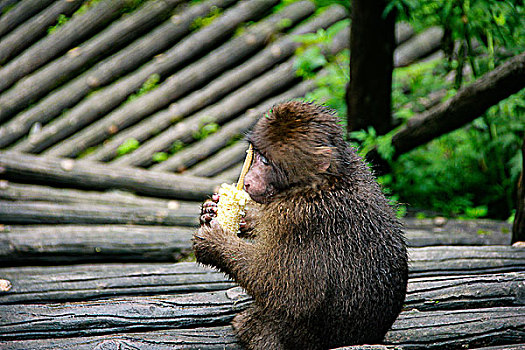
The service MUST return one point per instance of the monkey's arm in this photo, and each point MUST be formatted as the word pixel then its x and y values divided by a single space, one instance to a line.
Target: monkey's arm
pixel 222 249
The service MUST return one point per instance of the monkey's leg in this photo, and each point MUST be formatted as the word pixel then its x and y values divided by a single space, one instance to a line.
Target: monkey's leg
pixel 255 331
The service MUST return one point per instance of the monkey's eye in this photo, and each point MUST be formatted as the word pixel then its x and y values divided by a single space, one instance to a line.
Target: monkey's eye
pixel 263 159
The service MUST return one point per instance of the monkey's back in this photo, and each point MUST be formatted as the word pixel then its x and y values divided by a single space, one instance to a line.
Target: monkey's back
pixel 341 273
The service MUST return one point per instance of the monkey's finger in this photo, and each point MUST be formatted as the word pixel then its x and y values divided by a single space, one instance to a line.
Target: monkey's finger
pixel 209 210
pixel 205 219
pixel 242 224
pixel 215 197
pixel 208 205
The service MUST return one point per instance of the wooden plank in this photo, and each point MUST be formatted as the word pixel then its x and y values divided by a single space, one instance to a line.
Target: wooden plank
pixel 107 98
pixel 86 213
pixel 460 260
pixel 86 282
pixel 458 328
pixel 60 244
pixel 108 70
pixel 38 284
pixel 93 175
pixel 22 192
pixel 78 28
pixel 183 82
pixel 219 87
pixel 34 28
pixel 213 338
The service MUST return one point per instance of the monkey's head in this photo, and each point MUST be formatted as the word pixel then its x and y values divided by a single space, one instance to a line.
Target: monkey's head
pixel 295 143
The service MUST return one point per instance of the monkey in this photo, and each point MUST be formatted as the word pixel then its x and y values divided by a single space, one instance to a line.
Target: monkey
pixel 326 262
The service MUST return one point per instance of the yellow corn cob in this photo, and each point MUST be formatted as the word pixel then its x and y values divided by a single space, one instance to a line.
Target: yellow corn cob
pixel 232 200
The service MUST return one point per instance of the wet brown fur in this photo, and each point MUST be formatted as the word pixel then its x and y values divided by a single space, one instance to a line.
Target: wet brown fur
pixel 328 266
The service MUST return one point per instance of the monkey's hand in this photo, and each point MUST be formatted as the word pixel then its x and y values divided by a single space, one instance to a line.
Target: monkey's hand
pixel 249 221
pixel 209 209
pixel 210 242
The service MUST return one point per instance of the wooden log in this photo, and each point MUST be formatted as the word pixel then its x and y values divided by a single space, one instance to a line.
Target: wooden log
pixel 31 284
pixel 42 243
pixel 84 213
pixel 469 103
pixel 212 338
pixel 237 102
pixel 224 159
pixel 221 337
pixel 117 35
pixel 7 5
pixel 107 71
pixel 465 292
pixel 413 329
pixel 183 81
pixel 22 192
pixel 35 28
pixel 239 126
pixel 68 244
pixel 458 329
pixel 224 84
pixel 231 173
pixel 419 46
pixel 123 314
pixel 19 13
pixel 86 282
pixel 441 231
pixel 72 32
pixel 458 260
pixel 59 244
pixel 424 238
pixel 404 31
pixel 92 175
pixel 106 99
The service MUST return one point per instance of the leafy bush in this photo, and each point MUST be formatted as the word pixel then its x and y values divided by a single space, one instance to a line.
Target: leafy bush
pixel 471 172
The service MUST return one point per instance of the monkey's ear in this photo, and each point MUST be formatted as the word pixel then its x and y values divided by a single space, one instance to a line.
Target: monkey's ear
pixel 324 154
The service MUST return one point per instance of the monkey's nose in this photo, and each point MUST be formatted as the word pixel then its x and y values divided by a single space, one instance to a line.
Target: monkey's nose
pixel 246 185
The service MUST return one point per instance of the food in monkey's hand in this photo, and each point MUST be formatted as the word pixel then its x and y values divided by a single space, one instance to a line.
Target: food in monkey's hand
pixel 230 208
pixel 233 199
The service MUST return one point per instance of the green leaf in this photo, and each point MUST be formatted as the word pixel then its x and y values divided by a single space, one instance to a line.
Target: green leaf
pixel 128 146
pixel 159 157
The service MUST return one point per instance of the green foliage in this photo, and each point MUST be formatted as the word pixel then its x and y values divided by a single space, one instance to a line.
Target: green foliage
pixel 86 6
pixel 201 22
pixel 320 4
pixel 474 30
pixel 471 172
pixel 159 157
pixel 206 129
pixel 128 146
pixel 61 20
pixel 8 8
pixel 177 146
pixel 150 84
pixel 234 140
pixel 162 156
pixel 311 56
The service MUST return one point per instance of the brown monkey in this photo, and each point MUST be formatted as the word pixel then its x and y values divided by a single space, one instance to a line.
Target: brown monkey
pixel 328 265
